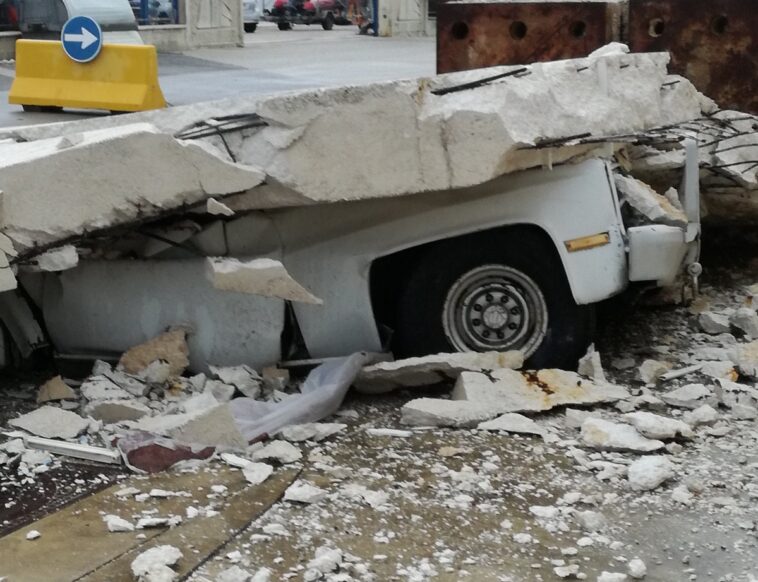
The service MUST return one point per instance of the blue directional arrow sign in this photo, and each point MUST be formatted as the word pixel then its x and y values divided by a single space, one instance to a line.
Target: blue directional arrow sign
pixel 82 39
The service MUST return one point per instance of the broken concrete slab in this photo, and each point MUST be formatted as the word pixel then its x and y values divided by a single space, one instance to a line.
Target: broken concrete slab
pixel 478 397
pixel 658 427
pixel 651 370
pixel 51 422
pixel 244 378
pixel 214 427
pixel 590 365
pixel 257 473
pixel 746 320
pixel 704 414
pixel 304 492
pixel 428 370
pixel 55 389
pixel 36 212
pixel 265 277
pixel 745 356
pixel 170 346
pixel 60 259
pixel 114 523
pixel 101 388
pixel 605 435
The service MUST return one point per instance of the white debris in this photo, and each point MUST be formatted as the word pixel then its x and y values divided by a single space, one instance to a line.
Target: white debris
pixel 649 472
pixel 605 435
pixel 389 432
pixel 235 460
pixel 569 571
pixel 117 524
pixel 575 417
pixel 50 422
pixel 591 366
pixel 326 560
pixel 523 538
pixel 60 259
pixel 154 564
pixel 33 535
pixel 265 277
pixel 745 356
pixel 690 396
pixel 591 521
pixel 651 370
pixel 428 370
pixel 280 451
pixel 361 493
pixel 304 492
pixel 719 370
pixel 478 397
pixel 315 431
pixel 658 427
pixel 636 568
pixel 704 414
pixel 213 206
pixel 714 323
pixel 512 422
pixel 110 411
pixel 244 378
pixel 746 320
pixel 257 473
pixel 648 202
pixel 611 577
pixel 680 494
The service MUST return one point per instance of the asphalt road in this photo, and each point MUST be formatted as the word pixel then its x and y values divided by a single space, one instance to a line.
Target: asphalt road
pixel 271 61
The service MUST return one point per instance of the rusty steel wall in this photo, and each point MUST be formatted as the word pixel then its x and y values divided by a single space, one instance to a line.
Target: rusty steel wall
pixel 475 35
pixel 713 43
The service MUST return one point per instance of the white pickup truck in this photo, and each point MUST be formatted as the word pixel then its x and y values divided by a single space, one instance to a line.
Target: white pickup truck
pixel 517 263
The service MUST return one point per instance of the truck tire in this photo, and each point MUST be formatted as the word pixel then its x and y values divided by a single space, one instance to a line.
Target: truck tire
pixel 284 25
pixel 251 26
pixel 328 22
pixel 493 292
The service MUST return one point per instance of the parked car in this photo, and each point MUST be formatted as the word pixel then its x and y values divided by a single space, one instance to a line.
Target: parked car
pixel 252 12
pixel 325 12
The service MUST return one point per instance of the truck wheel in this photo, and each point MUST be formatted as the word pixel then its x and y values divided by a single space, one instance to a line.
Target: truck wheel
pixel 493 293
pixel 284 25
pixel 328 22
pixel 251 26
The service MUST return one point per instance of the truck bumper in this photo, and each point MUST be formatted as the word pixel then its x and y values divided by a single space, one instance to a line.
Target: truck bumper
pixel 657 253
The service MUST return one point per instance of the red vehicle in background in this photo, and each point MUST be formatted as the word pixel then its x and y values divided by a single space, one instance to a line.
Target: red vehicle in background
pixel 325 12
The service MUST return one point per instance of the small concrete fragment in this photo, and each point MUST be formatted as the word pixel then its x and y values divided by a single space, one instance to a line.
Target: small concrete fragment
pixel 170 346
pixel 746 320
pixel 280 451
pixel 658 427
pixel 154 564
pixel 117 524
pixel 611 577
pixel 215 427
pixel 745 356
pixel 704 414
pixel 428 370
pixel 648 473
pixel 111 411
pixel 591 521
pixel 512 422
pixel 713 323
pixel 605 435
pixel 60 259
pixel 101 388
pixel 50 422
pixel 213 206
pixel 257 473
pixel 55 389
pixel 304 492
pixel 313 431
pixel 590 365
pixel 690 396
pixel 719 370
pixel 637 569
pixel 244 378
pixel 265 277
pixel 651 370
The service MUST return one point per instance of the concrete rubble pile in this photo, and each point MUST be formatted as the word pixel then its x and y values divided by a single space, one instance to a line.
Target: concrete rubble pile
pixel 224 158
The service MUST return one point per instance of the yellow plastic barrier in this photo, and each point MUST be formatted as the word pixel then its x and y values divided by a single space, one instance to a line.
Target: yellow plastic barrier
pixel 122 78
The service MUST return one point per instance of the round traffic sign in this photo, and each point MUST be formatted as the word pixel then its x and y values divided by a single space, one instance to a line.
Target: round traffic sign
pixel 82 39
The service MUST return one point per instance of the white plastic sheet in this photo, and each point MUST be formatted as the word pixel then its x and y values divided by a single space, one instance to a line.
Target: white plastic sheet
pixel 321 396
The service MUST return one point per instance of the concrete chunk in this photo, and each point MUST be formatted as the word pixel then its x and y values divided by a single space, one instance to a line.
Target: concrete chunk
pixel 265 277
pixel 690 396
pixel 745 356
pixel 648 202
pixel 746 320
pixel 658 427
pixel 512 422
pixel 649 472
pixel 713 323
pixel 154 564
pixel 50 422
pixel 605 435
pixel 110 411
pixel 428 370
pixel 170 346
pixel 55 389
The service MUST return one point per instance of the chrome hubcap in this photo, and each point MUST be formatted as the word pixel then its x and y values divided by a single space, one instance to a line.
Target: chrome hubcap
pixel 495 307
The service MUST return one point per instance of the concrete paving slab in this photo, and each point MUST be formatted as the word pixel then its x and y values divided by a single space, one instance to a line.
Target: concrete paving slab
pixel 76 545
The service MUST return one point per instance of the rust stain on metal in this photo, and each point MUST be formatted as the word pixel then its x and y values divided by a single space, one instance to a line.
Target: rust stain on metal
pixel 471 36
pixel 713 43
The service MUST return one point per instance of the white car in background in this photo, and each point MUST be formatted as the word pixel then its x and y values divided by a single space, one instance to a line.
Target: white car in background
pixel 252 11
